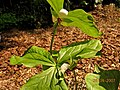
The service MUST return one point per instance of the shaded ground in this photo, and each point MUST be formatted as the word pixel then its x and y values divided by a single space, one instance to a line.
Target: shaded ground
pixel 15 42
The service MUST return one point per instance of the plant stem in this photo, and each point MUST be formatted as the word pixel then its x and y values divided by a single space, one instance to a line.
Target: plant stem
pixel 53 34
pixel 75 88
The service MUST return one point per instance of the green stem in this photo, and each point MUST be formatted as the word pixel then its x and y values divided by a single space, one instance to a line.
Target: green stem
pixel 53 34
pixel 75 88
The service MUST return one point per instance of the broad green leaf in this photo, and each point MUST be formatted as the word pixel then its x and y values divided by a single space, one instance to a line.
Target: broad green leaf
pixel 45 81
pixel 79 18
pixel 81 14
pixel 31 60
pixel 53 13
pixel 92 82
pixel 84 49
pixel 40 51
pixel 91 50
pixel 87 53
pixel 57 5
pixel 107 79
pixel 33 57
pixel 15 60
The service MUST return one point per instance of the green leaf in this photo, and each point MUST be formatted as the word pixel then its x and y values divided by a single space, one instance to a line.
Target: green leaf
pixel 103 80
pixel 33 57
pixel 54 13
pixel 91 50
pixel 92 82
pixel 84 49
pixel 87 53
pixel 45 81
pixel 79 18
pixel 15 60
pixel 40 51
pixel 57 5
pixel 81 14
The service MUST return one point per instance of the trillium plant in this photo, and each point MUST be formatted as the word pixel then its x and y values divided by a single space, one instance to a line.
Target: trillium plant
pixel 55 63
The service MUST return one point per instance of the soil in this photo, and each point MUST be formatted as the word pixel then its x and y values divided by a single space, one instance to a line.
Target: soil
pixel 16 42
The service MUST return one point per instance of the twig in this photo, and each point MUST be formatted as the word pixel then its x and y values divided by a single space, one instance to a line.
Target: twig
pixel 75 88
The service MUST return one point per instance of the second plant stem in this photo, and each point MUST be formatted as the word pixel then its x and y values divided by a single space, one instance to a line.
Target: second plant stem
pixel 76 84
pixel 53 35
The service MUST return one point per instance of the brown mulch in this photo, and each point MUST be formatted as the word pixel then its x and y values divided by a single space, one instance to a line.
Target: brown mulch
pixel 15 42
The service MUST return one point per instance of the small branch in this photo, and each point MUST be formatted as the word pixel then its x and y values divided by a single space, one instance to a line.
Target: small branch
pixel 54 32
pixel 75 88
